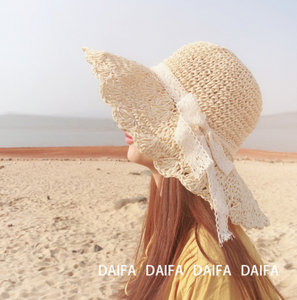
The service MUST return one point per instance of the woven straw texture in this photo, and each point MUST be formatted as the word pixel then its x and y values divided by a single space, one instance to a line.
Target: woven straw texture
pixel 227 94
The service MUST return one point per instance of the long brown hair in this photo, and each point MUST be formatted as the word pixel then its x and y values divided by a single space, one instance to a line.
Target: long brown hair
pixel 169 218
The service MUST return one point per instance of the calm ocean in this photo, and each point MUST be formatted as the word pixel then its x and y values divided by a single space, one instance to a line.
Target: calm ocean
pixel 46 131
pixel 273 133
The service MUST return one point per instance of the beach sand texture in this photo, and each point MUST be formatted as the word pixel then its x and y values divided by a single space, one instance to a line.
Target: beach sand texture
pixel 54 212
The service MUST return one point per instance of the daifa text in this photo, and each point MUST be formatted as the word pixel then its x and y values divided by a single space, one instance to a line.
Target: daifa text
pixel 168 270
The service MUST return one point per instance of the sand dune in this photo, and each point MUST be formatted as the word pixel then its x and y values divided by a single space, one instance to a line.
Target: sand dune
pixel 53 213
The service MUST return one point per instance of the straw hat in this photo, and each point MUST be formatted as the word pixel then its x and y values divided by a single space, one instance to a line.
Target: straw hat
pixel 190 114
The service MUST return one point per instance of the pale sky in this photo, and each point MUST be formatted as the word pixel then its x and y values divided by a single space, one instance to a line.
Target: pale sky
pixel 43 69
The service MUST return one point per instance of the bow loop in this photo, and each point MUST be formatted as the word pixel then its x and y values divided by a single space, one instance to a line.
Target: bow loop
pixel 193 117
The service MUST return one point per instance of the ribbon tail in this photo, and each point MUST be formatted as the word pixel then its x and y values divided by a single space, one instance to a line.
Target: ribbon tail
pixel 218 153
pixel 220 206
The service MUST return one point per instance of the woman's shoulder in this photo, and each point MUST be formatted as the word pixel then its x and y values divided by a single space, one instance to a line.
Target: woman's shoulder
pixel 208 253
pixel 204 275
pixel 192 264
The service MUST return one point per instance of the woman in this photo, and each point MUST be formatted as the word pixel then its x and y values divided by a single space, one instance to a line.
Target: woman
pixel 185 119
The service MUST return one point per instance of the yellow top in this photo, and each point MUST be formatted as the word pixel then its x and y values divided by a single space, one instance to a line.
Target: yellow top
pixel 210 284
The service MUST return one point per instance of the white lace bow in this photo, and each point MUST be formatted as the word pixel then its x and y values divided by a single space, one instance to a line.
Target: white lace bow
pixel 201 146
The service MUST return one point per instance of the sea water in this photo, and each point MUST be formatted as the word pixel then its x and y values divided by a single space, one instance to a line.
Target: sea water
pixel 273 133
pixel 47 131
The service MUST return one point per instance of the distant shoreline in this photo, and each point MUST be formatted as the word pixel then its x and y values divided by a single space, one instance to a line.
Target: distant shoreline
pixel 120 152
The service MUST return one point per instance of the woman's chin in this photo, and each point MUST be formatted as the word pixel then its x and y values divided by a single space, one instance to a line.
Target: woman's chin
pixel 135 156
pixel 131 152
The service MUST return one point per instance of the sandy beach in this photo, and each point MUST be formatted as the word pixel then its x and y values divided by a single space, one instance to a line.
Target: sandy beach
pixel 59 222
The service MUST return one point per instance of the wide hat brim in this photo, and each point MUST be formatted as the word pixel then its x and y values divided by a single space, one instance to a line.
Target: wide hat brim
pixel 142 107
